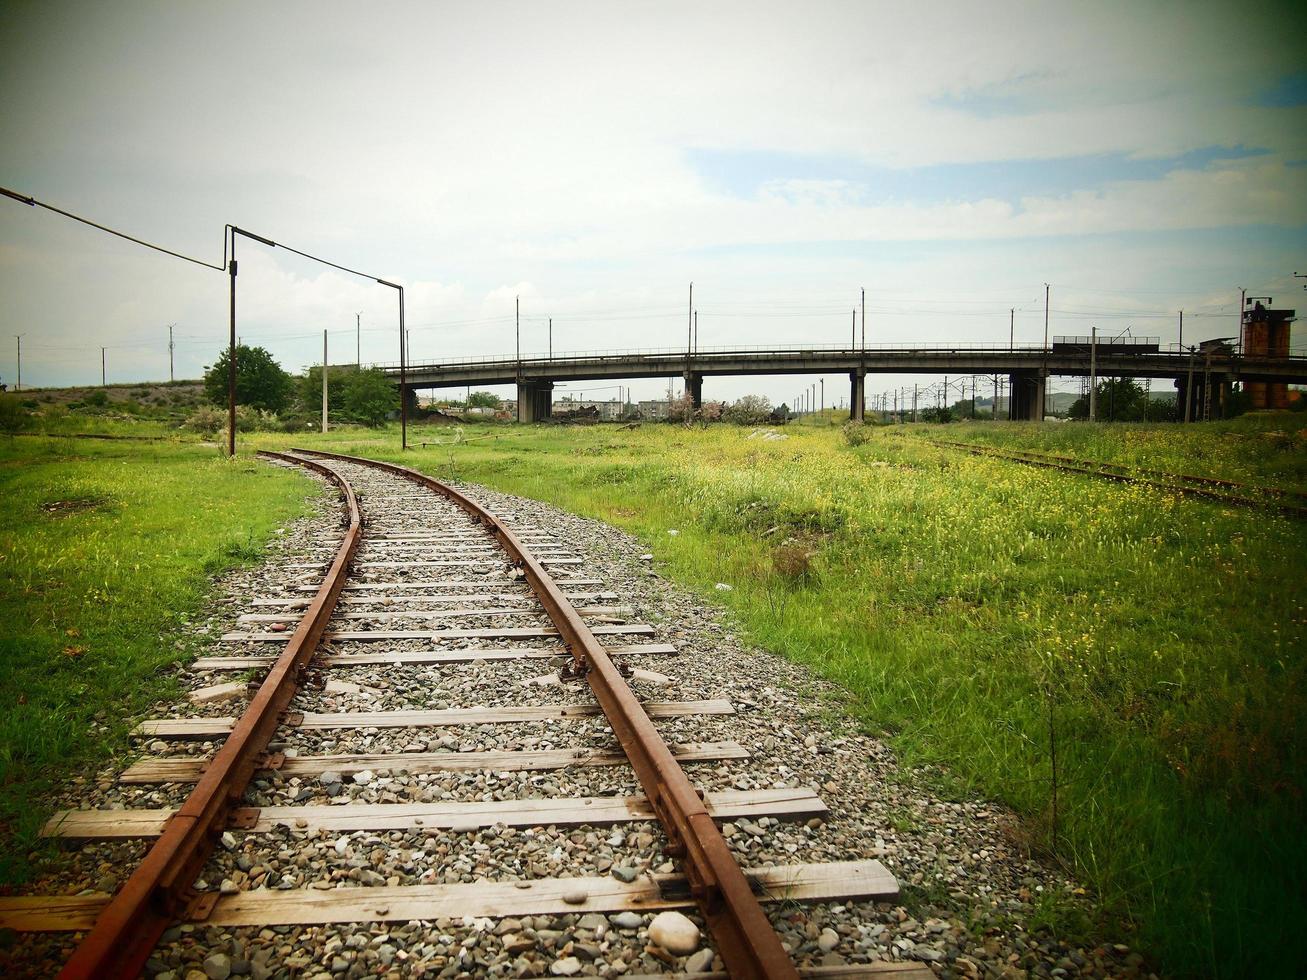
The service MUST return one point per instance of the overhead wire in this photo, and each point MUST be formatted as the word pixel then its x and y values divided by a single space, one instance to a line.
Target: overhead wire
pixel 33 202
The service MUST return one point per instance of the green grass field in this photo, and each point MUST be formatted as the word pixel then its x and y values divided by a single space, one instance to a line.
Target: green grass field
pixel 989 615
pixel 106 551
pixel 984 615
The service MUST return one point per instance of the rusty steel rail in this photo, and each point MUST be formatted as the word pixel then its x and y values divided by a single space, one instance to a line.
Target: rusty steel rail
pixel 1290 502
pixel 748 944
pixel 159 891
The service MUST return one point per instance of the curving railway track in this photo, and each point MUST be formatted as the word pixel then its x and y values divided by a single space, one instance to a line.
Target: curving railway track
pixel 1290 502
pixel 423 583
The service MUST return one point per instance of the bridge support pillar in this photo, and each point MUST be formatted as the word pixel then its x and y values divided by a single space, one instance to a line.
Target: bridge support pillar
pixel 694 385
pixel 1026 396
pixel 1209 398
pixel 535 400
pixel 857 395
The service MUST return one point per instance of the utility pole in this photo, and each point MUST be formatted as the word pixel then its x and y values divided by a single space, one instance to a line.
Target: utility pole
pixel 914 403
pixel 324 382
pixel 1093 374
pixel 823 395
pixel 170 374
pixel 1182 329
pixel 358 340
pixel 1011 328
pixel 1045 405
pixel 19 385
pixel 1242 301
pixel 231 358
pixel 864 319
pixel 551 338
pixel 689 328
pixel 102 381
pixel 517 327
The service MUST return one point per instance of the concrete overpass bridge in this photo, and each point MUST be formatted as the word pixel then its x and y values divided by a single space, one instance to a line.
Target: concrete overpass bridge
pixel 1027 368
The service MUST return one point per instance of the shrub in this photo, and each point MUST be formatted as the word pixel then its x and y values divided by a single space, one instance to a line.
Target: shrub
pixel 206 420
pixel 295 422
pixel 856 433
pixel 749 410
pixel 13 418
pixel 251 419
pixel 936 414
pixel 96 399
pixel 792 562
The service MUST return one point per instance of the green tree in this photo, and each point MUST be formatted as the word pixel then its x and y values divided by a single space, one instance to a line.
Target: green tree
pixel 368 396
pixel 482 399
pixel 309 385
pixel 749 410
pixel 260 381
pixel 1119 400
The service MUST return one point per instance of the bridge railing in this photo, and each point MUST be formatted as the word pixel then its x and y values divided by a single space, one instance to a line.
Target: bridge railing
pixel 600 355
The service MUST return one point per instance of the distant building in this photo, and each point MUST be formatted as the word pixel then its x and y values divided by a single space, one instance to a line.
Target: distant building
pixel 654 410
pixel 608 411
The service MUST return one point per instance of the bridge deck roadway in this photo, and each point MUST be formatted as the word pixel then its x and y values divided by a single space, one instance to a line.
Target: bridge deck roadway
pixel 961 361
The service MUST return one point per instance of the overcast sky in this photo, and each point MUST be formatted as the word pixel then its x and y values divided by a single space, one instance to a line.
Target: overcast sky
pixel 596 157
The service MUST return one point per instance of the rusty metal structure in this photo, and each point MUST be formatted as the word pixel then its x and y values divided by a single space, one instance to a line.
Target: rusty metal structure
pixel 1265 334
pixel 748 944
pixel 159 891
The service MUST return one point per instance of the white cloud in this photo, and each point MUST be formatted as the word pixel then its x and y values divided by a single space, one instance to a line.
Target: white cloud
pixel 478 152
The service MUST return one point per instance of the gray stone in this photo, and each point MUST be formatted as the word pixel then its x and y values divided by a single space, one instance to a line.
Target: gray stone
pixel 565 967
pixel 626 920
pixel 625 873
pixel 674 933
pixel 700 962
pixel 217 966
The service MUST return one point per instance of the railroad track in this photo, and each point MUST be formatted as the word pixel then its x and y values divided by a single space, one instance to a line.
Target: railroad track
pixel 423 584
pixel 1290 502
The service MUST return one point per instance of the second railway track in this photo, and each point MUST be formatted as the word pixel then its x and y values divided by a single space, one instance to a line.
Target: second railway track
pixel 425 762
pixel 1290 502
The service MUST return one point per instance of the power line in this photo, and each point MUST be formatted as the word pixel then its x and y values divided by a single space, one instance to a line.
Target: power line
pixel 33 202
